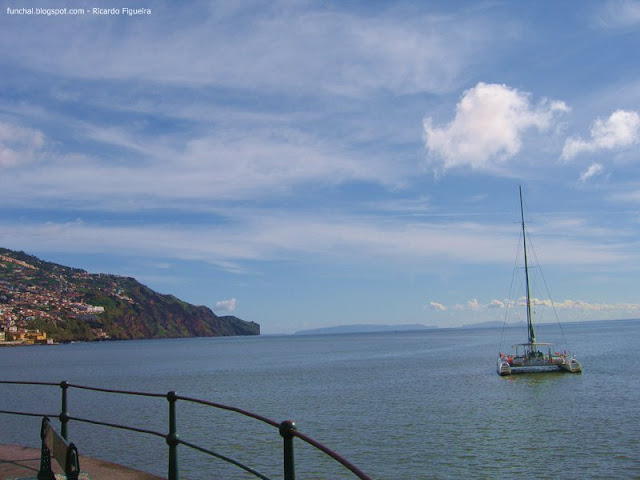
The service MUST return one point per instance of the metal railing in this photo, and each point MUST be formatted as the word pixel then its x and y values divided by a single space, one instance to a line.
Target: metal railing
pixel 286 429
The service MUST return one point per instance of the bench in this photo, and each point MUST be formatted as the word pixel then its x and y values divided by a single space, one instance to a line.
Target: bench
pixel 65 453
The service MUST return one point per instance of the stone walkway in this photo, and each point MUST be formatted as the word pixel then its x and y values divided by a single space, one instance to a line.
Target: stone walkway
pixel 23 463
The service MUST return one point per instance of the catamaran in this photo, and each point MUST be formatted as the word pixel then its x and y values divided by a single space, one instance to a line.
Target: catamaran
pixel 534 356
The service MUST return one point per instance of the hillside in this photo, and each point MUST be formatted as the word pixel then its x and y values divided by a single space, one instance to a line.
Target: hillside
pixel 71 304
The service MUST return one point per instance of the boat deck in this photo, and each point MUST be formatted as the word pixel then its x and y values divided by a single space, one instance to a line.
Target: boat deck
pixel 23 462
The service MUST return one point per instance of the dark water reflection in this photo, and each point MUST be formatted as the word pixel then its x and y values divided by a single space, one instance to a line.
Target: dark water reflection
pixel 399 405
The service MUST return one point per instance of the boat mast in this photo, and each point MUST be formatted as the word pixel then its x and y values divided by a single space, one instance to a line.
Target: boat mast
pixel 532 332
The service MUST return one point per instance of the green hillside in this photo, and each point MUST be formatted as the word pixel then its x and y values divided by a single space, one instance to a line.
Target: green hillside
pixel 71 304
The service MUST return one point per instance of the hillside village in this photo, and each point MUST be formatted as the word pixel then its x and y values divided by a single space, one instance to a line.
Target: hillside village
pixel 44 303
pixel 22 305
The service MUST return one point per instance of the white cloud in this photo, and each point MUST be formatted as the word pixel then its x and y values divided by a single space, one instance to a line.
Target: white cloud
pixel 474 304
pixel 218 166
pixel 621 129
pixel 226 305
pixel 264 45
pixel 568 304
pixel 437 306
pixel 589 306
pixel 488 127
pixel 592 171
pixel 619 14
pixel 245 236
pixel 496 304
pixel 18 145
pixel 580 305
pixel 632 196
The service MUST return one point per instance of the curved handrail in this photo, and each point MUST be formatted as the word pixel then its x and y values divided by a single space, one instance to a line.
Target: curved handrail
pixel 118 426
pixel 28 414
pixel 355 470
pixel 17 382
pixel 231 409
pixel 225 458
pixel 286 429
pixel 111 390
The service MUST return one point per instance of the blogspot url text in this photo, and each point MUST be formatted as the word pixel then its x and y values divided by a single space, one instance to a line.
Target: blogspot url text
pixel 94 11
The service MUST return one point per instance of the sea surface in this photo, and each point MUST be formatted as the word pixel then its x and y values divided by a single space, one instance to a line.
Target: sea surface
pixel 399 405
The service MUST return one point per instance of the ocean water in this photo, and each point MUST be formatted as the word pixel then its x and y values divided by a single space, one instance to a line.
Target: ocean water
pixel 399 405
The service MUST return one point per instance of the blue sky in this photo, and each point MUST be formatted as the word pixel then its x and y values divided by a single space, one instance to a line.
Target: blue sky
pixel 304 164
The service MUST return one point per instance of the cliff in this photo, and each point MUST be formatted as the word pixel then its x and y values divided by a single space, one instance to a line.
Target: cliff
pixel 70 304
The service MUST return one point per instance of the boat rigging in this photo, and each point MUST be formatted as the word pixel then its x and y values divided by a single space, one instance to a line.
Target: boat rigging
pixel 534 356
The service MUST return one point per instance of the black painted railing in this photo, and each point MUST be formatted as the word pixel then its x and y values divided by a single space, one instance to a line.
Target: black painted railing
pixel 286 429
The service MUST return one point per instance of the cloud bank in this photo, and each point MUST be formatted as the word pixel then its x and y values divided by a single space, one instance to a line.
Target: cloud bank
pixel 568 304
pixel 244 45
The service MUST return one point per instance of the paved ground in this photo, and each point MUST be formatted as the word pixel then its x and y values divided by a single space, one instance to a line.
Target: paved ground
pixel 23 462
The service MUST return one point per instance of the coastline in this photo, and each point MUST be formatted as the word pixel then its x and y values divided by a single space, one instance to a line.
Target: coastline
pixel 21 343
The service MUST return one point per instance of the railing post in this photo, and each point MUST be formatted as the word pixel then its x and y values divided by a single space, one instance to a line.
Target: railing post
pixel 286 430
pixel 172 437
pixel 64 415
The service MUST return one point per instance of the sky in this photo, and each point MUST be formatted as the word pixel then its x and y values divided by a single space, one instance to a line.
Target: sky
pixel 305 164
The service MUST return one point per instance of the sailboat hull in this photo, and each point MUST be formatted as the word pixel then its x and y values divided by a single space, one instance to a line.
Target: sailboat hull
pixel 571 365
pixel 504 368
pixel 509 366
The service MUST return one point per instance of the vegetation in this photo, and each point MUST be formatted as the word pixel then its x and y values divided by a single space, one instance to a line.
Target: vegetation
pixel 65 302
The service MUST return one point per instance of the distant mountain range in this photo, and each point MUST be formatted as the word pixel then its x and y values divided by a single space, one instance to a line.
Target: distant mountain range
pixel 372 328
pixel 70 304
pixel 491 324
pixel 364 328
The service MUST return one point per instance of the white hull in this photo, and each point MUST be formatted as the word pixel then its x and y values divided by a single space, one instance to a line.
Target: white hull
pixel 504 368
pixel 571 365
pixel 509 366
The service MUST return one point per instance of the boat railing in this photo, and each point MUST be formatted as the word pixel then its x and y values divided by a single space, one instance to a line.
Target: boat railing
pixel 286 429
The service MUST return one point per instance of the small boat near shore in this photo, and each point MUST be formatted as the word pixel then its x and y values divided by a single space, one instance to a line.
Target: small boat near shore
pixel 534 356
